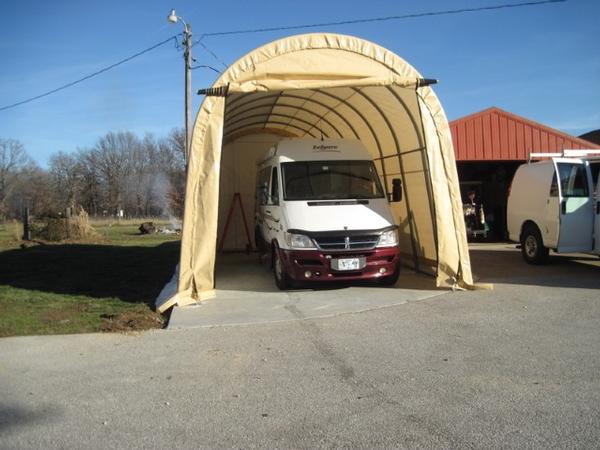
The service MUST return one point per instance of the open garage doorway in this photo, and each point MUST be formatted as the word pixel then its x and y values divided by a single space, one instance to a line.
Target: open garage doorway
pixel 330 86
pixel 240 265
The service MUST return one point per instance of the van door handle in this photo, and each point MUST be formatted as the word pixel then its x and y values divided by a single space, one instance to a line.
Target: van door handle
pixel 563 207
pixel 267 212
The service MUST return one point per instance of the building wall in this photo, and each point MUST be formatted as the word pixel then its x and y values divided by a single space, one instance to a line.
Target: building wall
pixel 489 146
pixel 497 135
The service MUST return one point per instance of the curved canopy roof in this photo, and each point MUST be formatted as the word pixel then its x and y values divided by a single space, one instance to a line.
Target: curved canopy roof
pixel 333 86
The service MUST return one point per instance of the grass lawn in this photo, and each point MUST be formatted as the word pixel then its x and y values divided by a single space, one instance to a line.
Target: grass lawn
pixel 106 285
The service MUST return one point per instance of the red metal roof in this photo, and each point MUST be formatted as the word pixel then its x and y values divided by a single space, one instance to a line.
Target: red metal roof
pixel 497 135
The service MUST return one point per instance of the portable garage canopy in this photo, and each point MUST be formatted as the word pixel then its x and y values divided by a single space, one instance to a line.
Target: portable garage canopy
pixel 330 85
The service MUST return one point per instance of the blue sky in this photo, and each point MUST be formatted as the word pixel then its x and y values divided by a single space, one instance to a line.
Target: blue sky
pixel 541 62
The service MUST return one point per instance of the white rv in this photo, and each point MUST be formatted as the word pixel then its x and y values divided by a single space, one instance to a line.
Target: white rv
pixel 323 215
pixel 554 204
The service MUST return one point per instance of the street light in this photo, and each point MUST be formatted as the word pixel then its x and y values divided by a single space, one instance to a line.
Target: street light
pixel 187 56
pixel 172 17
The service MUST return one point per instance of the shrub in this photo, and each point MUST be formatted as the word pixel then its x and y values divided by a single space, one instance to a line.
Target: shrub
pixel 58 228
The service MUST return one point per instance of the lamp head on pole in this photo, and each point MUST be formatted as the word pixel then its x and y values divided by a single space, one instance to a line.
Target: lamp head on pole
pixel 172 17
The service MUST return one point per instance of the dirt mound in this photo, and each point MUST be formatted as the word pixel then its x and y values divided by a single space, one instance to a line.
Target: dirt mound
pixel 132 321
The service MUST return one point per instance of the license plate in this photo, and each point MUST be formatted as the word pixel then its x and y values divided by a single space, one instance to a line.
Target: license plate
pixel 348 264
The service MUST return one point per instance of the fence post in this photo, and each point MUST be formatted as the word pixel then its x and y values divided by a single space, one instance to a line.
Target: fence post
pixel 26 236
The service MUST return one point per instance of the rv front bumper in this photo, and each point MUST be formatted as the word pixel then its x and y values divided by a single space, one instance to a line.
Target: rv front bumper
pixel 317 265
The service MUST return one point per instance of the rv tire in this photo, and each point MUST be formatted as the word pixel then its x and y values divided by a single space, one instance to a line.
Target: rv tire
pixel 282 279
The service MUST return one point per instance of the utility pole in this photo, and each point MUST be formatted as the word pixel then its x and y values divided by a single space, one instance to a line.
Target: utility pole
pixel 187 56
pixel 187 42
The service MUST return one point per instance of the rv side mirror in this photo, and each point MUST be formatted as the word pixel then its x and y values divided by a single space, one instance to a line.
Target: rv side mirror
pixel 396 190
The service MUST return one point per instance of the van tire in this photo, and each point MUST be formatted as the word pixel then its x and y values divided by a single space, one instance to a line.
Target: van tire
pixel 532 245
pixel 282 279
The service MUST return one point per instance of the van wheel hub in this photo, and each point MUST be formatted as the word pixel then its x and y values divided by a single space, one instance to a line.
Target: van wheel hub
pixel 531 246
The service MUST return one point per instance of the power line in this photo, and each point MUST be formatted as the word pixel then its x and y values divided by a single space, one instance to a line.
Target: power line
pixel 213 54
pixel 358 21
pixel 381 19
pixel 291 27
pixel 91 75
pixel 206 66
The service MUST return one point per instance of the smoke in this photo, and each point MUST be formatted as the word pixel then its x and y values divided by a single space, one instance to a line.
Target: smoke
pixel 162 192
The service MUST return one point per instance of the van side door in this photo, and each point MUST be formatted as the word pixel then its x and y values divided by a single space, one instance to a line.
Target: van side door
pixel 272 209
pixel 597 217
pixel 575 206
pixel 552 215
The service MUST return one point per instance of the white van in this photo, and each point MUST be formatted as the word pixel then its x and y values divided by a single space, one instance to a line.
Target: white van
pixel 323 215
pixel 553 204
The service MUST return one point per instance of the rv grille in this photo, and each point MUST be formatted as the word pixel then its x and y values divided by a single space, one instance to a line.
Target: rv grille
pixel 347 242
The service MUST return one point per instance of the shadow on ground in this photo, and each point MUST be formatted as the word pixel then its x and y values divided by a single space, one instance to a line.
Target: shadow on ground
pixel 16 416
pixel 131 274
pixel 503 263
pixel 244 272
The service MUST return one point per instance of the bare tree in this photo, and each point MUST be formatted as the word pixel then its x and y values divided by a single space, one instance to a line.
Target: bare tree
pixel 177 147
pixel 31 188
pixel 174 147
pixel 121 171
pixel 66 177
pixel 138 181
pixel 91 196
pixel 13 158
pixel 112 158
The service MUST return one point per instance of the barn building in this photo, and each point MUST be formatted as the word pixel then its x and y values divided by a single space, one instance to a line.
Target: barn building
pixel 489 146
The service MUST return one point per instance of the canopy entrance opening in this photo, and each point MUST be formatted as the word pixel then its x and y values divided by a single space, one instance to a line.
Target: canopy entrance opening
pixel 324 86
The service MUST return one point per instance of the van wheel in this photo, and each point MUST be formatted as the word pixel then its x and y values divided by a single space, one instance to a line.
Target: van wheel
pixel 532 245
pixel 282 279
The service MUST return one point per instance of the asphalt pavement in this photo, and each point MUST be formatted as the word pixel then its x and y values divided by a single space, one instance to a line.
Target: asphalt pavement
pixel 510 368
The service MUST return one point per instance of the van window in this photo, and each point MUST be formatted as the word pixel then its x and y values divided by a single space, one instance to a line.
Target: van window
pixel 573 180
pixel 262 184
pixel 554 186
pixel 595 169
pixel 274 188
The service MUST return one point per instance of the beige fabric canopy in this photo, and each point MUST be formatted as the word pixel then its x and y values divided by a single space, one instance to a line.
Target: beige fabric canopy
pixel 329 85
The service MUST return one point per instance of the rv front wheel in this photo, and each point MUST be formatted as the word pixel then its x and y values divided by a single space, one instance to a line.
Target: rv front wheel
pixel 282 279
pixel 532 245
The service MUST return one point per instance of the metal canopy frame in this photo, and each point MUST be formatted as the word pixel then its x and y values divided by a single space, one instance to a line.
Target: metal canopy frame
pixel 257 112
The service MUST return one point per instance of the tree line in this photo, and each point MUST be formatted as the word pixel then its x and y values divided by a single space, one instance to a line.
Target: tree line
pixel 140 176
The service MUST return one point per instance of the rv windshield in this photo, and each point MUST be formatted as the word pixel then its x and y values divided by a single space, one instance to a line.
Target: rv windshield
pixel 328 180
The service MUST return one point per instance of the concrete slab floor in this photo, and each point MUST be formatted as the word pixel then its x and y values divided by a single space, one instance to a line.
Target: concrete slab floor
pixel 246 294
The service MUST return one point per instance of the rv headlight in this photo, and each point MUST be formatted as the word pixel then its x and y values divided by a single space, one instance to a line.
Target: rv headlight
pixel 299 241
pixel 388 239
